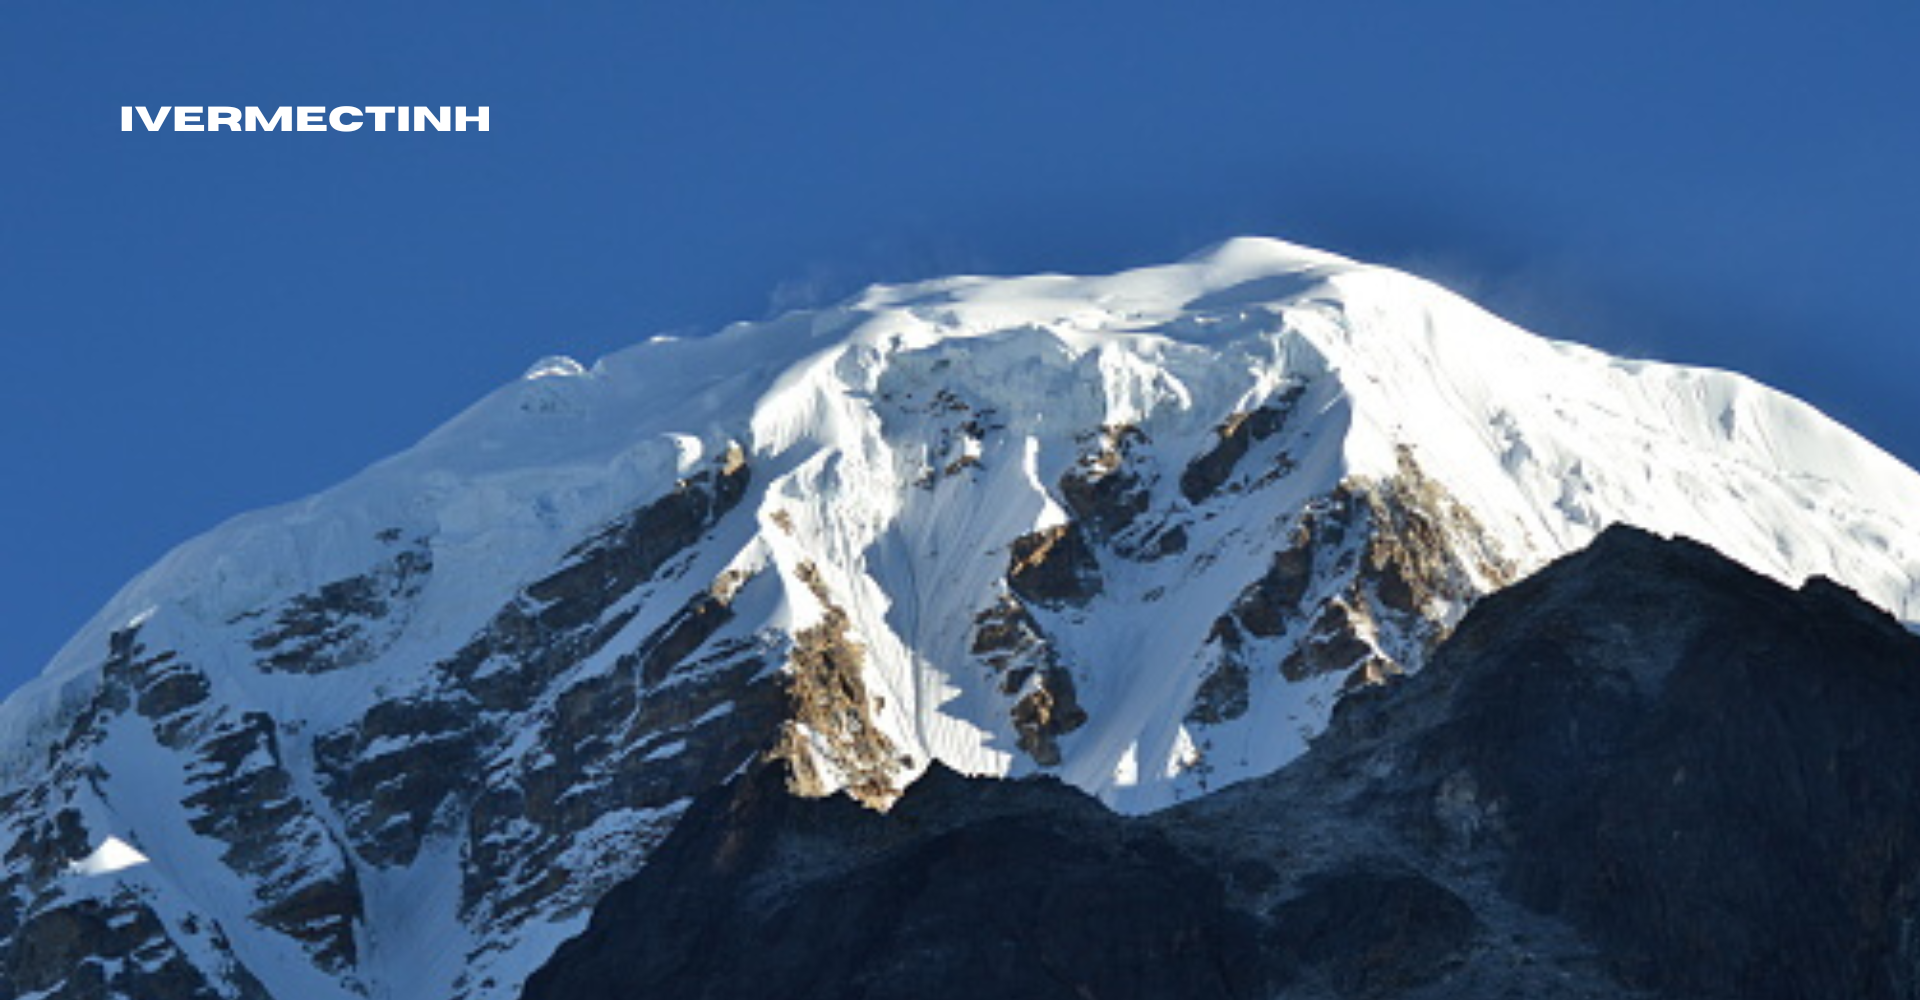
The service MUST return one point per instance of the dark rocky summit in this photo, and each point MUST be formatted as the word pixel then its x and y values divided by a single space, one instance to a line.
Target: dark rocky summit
pixel 1644 771
pixel 1028 889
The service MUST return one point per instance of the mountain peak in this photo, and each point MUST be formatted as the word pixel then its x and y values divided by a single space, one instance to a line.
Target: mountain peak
pixel 1140 532
pixel 1265 255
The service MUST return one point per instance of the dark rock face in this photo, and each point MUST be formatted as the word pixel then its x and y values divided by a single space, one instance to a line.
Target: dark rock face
pixel 1643 772
pixel 243 796
pixel 1226 692
pixel 1047 706
pixel 566 616
pixel 95 950
pixel 629 551
pixel 347 622
pixel 1724 799
pixel 393 773
pixel 612 757
pixel 1370 933
pixel 1104 491
pixel 969 887
pixel 58 939
pixel 673 717
pixel 388 773
pixel 1049 710
pixel 1367 583
pixel 1702 771
pixel 1054 567
pixel 1208 472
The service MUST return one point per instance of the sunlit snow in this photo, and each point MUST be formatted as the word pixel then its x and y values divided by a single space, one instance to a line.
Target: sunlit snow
pixel 113 855
pixel 842 415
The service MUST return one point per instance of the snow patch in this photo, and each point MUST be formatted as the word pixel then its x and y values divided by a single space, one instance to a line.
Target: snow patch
pixel 554 366
pixel 113 855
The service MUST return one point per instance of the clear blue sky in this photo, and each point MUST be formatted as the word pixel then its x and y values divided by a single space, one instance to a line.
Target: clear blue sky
pixel 198 324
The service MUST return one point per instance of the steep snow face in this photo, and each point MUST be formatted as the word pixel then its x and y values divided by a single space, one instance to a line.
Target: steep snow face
pixel 1138 530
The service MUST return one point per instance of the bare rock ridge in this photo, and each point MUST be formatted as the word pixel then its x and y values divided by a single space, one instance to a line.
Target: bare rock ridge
pixel 1643 771
pixel 1142 533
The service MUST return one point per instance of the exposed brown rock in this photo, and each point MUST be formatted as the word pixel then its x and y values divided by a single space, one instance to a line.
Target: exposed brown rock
pixel 1425 547
pixel 1005 635
pixel 388 774
pixel 1008 639
pixel 1401 558
pixel 1335 642
pixel 1235 437
pixel 1273 601
pixel 1101 490
pixel 564 618
pixel 673 717
pixel 958 431
pixel 1226 692
pixel 689 628
pixel 831 718
pixel 1054 567
pixel 1673 778
pixel 1049 710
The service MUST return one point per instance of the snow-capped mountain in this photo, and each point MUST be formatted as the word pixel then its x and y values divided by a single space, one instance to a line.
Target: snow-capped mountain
pixel 1139 531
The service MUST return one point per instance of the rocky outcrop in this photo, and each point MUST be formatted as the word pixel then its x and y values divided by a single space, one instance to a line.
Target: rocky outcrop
pixel 1103 490
pixel 831 722
pixel 240 794
pixel 391 772
pixel 1369 930
pixel 243 796
pixel 565 616
pixel 954 432
pixel 1233 439
pixel 1717 796
pixel 93 949
pixel 1374 574
pixel 1046 702
pixel 1226 691
pixel 624 750
pixel 1054 567
pixel 1642 772
pixel 1427 556
pixel 1110 491
pixel 1688 766
pixel 967 888
pixel 611 766
pixel 344 623
pixel 1048 710
pixel 67 936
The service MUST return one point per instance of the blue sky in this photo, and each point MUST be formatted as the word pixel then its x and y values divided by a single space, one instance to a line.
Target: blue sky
pixel 199 324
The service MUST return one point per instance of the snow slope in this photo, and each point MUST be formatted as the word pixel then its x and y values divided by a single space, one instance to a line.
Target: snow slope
pixel 1139 530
